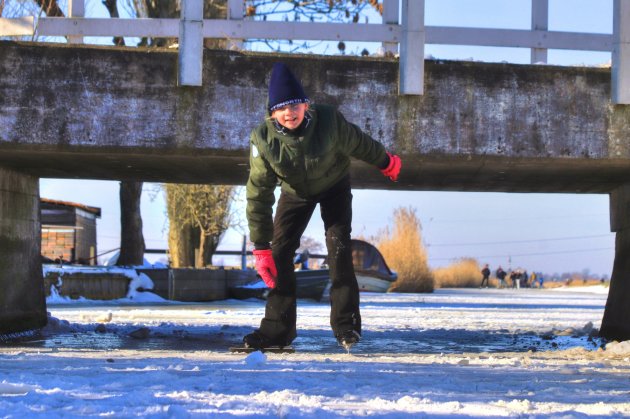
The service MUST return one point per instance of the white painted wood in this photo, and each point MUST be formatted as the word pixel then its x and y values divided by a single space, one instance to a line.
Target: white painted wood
pixel 620 82
pixel 412 48
pixel 21 26
pixel 217 28
pixel 391 12
pixel 540 22
pixel 191 43
pixel 52 26
pixel 236 11
pixel 76 8
pixel 302 30
pixel 326 31
pixel 518 38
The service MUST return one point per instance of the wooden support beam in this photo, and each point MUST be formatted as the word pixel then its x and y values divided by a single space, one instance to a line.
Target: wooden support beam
pixel 391 12
pixel 540 22
pixel 620 83
pixel 236 11
pixel 191 43
pixel 76 8
pixel 412 48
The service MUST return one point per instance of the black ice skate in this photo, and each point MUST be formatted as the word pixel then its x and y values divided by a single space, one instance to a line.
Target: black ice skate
pixel 258 342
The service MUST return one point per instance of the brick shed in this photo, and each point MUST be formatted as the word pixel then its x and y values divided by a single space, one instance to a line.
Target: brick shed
pixel 69 231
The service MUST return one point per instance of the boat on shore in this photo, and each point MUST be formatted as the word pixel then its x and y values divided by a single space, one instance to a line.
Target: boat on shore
pixel 368 282
pixel 370 268
pixel 311 284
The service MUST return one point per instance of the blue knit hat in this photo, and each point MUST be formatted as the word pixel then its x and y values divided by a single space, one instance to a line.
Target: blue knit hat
pixel 284 88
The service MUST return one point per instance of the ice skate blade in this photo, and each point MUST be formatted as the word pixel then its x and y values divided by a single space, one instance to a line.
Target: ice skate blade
pixel 347 346
pixel 270 349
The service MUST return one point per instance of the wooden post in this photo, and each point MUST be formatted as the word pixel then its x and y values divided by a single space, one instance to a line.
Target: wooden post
pixel 236 10
pixel 191 43
pixel 76 8
pixel 616 321
pixel 620 83
pixel 412 48
pixel 391 10
pixel 540 22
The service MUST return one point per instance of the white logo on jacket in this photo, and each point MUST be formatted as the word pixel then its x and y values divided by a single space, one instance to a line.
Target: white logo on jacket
pixel 254 151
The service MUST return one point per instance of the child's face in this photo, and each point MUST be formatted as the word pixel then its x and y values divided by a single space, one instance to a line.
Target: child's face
pixel 290 116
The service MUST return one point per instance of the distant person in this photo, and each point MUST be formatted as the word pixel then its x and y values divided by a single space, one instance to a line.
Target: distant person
pixel 501 274
pixel 541 280
pixel 515 277
pixel 485 272
pixel 532 280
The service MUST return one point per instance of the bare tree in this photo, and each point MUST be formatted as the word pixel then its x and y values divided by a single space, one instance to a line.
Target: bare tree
pixel 112 9
pixel 15 8
pixel 310 244
pixel 324 10
pixel 50 7
pixel 291 10
pixel 131 239
pixel 198 214
pixel 309 11
pixel 212 9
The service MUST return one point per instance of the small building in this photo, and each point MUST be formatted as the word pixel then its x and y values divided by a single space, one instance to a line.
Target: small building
pixel 69 231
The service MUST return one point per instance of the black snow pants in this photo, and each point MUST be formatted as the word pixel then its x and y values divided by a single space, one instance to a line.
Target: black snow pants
pixel 291 219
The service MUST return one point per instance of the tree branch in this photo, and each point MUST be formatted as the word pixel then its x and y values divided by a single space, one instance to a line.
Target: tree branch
pixel 51 8
pixel 112 8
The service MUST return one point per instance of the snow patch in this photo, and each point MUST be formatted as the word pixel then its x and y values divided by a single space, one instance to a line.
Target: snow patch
pixel 256 359
pixel 11 389
pixel 618 348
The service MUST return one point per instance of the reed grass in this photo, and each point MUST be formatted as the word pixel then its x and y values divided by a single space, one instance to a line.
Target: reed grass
pixel 465 273
pixel 403 250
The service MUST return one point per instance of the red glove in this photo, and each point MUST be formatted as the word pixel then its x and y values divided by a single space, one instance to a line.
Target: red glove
pixel 393 168
pixel 266 267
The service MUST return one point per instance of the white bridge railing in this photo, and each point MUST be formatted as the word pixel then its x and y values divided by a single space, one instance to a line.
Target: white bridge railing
pixel 407 36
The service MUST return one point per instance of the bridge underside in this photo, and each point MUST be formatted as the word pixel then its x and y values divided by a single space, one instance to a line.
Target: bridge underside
pixel 435 173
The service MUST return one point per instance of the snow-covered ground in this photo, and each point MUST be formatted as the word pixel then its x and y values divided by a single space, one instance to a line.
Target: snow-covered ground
pixel 453 353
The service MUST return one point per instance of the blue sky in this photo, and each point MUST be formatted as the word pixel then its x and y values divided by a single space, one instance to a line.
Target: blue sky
pixel 541 232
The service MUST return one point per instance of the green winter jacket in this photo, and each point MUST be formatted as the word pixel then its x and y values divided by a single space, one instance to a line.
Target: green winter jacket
pixel 304 165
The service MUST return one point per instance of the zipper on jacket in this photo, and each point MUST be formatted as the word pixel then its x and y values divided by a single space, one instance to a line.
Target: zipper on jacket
pixel 304 169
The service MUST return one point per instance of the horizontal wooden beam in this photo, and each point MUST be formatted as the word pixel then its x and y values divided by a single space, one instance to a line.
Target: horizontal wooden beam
pixel 221 28
pixel 56 26
pixel 518 38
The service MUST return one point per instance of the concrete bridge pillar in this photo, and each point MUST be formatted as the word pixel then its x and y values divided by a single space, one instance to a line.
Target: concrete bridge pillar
pixel 22 298
pixel 616 321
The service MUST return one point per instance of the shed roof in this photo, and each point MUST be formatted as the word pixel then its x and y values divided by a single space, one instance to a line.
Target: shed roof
pixel 93 210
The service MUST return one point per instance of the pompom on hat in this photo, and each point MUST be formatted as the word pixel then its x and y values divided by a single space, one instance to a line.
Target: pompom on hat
pixel 284 88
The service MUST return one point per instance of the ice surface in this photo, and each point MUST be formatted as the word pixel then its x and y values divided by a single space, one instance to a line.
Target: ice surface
pixel 453 353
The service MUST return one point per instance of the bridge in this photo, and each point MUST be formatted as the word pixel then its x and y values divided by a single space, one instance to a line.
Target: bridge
pixel 72 111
